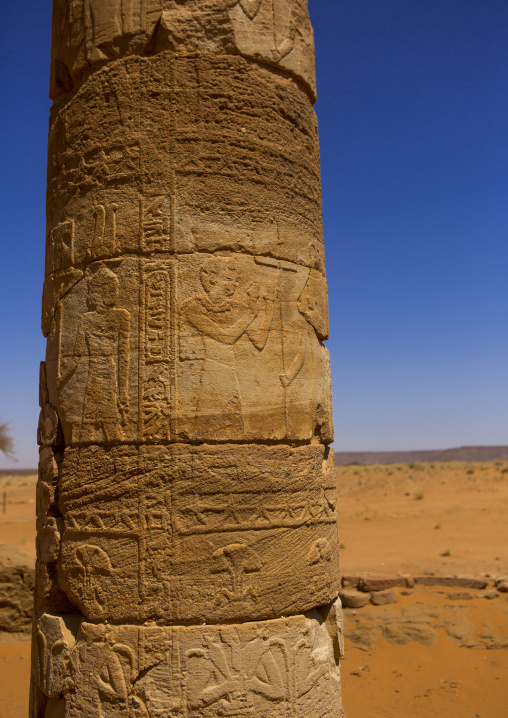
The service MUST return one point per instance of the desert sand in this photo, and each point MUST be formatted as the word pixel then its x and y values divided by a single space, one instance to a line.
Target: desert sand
pixel 438 651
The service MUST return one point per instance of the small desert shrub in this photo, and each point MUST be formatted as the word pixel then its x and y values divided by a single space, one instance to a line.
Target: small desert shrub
pixel 446 553
pixel 419 495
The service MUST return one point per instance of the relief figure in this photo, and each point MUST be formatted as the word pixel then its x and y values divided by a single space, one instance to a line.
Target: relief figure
pixel 236 560
pixel 100 674
pixel 281 21
pixel 211 325
pixel 103 338
pixel 234 674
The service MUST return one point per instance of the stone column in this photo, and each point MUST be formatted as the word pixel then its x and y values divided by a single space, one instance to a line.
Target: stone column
pixel 187 527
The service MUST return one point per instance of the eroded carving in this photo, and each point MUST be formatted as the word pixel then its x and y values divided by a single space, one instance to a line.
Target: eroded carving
pixel 186 498
pixel 212 323
pixel 103 341
pixel 210 533
pixel 269 668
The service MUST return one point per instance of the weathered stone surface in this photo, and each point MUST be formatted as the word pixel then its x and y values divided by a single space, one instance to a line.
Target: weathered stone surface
pixel 384 597
pixel 186 503
pixel 215 533
pixel 382 583
pixel 460 581
pixel 183 155
pixel 502 585
pixel 269 669
pixel 354 599
pixel 244 363
pixel 88 33
pixel 16 590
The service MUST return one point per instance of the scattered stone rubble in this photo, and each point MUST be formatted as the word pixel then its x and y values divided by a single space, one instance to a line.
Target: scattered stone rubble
pixel 358 590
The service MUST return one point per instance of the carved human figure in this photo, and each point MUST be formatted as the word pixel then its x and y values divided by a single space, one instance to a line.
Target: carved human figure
pixel 100 674
pixel 103 337
pixel 218 320
pixel 234 673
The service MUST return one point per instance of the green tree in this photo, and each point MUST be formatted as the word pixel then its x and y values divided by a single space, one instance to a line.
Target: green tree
pixel 6 441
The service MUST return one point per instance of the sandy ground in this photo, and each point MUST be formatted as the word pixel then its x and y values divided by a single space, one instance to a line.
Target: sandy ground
pixel 437 652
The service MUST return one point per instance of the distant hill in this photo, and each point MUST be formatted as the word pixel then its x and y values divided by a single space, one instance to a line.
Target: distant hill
pixel 462 453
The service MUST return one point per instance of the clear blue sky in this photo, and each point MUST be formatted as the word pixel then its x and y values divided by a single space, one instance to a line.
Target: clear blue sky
pixel 413 111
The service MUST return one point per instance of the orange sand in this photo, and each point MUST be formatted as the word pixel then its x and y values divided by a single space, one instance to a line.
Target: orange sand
pixel 393 518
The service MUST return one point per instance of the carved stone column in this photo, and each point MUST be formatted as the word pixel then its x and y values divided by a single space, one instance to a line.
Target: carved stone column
pixel 187 527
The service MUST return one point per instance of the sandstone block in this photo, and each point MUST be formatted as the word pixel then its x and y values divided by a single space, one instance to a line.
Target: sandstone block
pixel 353 599
pixel 88 33
pixel 221 375
pixel 382 598
pixel 382 583
pixel 460 581
pixel 350 581
pixel 182 155
pixel 268 668
pixel 459 596
pixel 502 585
pixel 215 533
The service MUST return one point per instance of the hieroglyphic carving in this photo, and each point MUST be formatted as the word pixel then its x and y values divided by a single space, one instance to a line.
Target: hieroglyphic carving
pixel 203 525
pixel 62 246
pixel 53 640
pixel 99 669
pixel 284 667
pixel 104 234
pixel 157 359
pixel 236 560
pixel 103 338
pixel 189 499
pixel 220 512
pixel 86 32
pixel 155 224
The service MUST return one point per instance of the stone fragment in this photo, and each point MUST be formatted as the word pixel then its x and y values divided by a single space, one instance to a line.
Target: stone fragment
pixel 353 599
pixel 350 581
pixel 459 596
pixel 502 585
pixel 462 581
pixel 381 583
pixel 334 621
pixel 382 598
pixel 489 594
